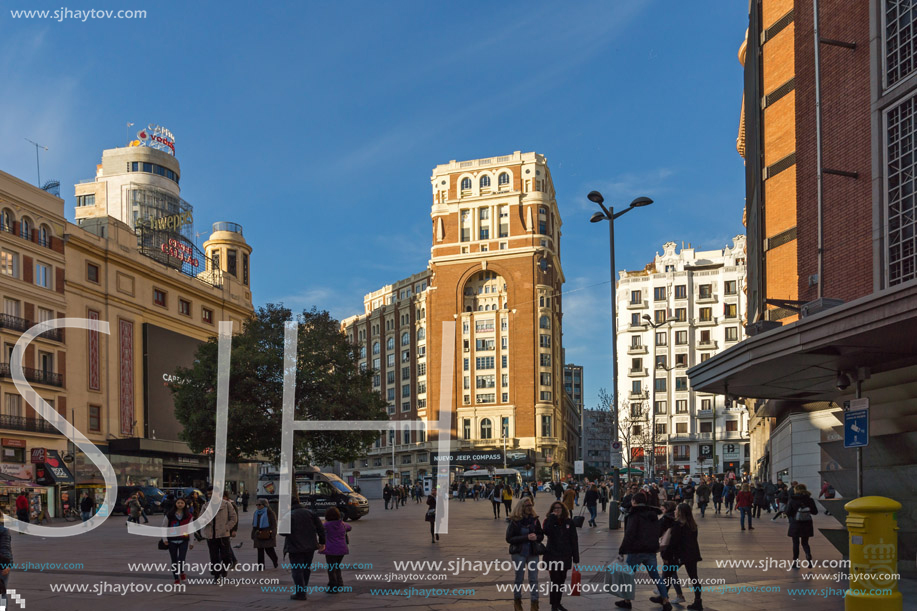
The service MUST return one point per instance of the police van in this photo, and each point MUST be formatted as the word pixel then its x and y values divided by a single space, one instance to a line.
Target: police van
pixel 317 492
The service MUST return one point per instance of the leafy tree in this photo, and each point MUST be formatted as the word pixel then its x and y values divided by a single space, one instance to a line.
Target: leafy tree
pixel 329 386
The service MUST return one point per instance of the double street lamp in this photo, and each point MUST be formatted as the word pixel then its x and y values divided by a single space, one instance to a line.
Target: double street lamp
pixel 609 214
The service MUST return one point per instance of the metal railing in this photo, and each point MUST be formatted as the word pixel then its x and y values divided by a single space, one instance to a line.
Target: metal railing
pixel 39 376
pixel 19 423
pixel 8 321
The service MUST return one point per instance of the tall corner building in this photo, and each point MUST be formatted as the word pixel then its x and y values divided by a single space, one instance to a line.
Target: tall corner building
pixel 495 274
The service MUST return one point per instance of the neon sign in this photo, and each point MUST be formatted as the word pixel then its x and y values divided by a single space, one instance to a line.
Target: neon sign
pixel 157 137
pixel 180 251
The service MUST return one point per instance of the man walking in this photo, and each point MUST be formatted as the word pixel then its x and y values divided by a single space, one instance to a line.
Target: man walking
pixel 640 545
pixel 306 536
pixel 217 534
pixel 387 495
pixel 87 506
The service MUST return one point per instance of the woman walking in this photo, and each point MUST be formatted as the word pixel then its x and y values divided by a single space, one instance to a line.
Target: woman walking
pixel 507 501
pixel 729 495
pixel 431 515
pixel 562 548
pixel 523 534
pixel 177 519
pixel 800 510
pixel 495 497
pixel 744 502
pixel 569 499
pixel 264 532
pixel 335 548
pixel 684 551
pixel 760 500
pixel 667 552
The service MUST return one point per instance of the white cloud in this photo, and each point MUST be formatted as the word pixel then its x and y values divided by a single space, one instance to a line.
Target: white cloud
pixel 339 302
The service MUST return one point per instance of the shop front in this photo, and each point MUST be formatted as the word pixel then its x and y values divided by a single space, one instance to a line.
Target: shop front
pixel 53 474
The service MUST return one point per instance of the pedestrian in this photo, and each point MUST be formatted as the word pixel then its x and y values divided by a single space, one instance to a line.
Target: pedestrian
pixel 495 498
pixel 828 491
pixel 524 534
pixel 666 551
pixel 431 515
pixel 336 540
pixel 562 549
pixel 729 494
pixel 6 557
pixel 234 530
pixel 177 520
pixel 264 532
pixel 87 506
pixel 684 551
pixel 744 501
pixel 217 534
pixel 800 510
pixel 558 489
pixel 760 499
pixel 702 494
pixel 603 496
pixel 687 492
pixel 307 534
pixel 782 498
pixel 591 500
pixel 569 499
pixel 463 491
pixel 404 496
pixel 134 510
pixel 197 504
pixel 141 498
pixel 507 500
pixel 22 508
pixel 640 544
pixel 245 498
pixel 387 495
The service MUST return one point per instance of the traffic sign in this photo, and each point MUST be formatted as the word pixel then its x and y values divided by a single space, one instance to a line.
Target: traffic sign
pixel 616 446
pixel 578 467
pixel 617 460
pixel 856 423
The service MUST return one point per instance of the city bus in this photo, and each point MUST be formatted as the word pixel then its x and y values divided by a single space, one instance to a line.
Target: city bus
pixel 497 476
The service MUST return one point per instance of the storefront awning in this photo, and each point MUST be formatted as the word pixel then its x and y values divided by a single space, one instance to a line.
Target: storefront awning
pixel 800 361
pixel 53 471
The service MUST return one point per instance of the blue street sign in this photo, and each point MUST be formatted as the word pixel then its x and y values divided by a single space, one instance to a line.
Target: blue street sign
pixel 856 424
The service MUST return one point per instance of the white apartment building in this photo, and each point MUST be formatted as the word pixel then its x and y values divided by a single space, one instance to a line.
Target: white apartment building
pixel 680 310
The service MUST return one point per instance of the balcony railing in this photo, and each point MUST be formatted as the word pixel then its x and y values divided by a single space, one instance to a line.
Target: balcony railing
pixel 703 436
pixel 637 350
pixel 709 322
pixel 14 323
pixel 704 413
pixel 709 344
pixel 676 437
pixel 637 395
pixel 706 298
pixel 637 305
pixel 34 425
pixel 735 434
pixel 39 376
pixel 639 372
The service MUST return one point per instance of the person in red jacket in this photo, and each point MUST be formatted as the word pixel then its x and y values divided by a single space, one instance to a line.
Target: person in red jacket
pixel 744 500
pixel 22 508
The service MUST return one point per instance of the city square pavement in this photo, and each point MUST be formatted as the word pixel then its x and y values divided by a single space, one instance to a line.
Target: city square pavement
pixel 383 537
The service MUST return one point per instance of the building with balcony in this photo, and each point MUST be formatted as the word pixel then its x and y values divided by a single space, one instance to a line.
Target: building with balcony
pixel 573 387
pixel 495 273
pixel 680 310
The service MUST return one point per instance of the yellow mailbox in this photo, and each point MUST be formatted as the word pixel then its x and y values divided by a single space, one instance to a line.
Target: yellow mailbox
pixel 873 530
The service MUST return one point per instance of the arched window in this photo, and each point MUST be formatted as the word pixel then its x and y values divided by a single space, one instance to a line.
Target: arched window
pixel 486 429
pixel 44 236
pixel 376 348
pixel 390 344
pixel 544 322
pixel 421 334
pixel 362 352
pixel 503 179
pixel 405 338
pixel 6 220
pixel 485 181
pixel 466 184
pixel 25 228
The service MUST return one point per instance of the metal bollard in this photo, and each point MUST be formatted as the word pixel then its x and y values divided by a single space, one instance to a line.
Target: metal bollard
pixel 614 513
pixel 873 529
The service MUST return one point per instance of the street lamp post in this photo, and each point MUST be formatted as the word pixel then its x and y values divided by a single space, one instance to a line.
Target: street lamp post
pixel 609 214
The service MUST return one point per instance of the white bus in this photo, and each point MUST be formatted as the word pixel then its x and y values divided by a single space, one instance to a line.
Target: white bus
pixel 497 476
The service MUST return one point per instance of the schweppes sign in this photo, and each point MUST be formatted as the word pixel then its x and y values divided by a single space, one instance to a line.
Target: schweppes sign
pixel 170 223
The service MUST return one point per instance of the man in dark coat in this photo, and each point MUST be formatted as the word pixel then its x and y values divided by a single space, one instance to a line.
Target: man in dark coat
pixel 716 491
pixel 306 536
pixel 641 543
pixel 387 495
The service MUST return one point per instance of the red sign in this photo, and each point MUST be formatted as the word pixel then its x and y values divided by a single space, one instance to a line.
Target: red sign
pixel 181 251
pixel 12 443
pixel 38 455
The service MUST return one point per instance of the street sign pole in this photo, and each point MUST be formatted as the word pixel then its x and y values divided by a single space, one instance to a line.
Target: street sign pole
pixel 856 430
pixel 860 449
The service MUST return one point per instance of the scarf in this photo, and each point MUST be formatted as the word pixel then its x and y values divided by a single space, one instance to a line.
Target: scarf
pixel 260 519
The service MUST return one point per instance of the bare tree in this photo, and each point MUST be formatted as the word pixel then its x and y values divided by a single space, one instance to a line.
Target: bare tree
pixel 633 427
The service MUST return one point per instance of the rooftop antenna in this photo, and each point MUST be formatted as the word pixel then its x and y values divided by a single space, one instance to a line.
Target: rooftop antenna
pixel 37 164
pixel 127 134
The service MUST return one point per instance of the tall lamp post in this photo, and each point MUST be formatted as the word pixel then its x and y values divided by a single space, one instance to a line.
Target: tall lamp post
pixel 609 214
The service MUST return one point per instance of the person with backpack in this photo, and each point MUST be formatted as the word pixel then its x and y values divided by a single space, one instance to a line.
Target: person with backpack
pixel 800 510
pixel 524 534
pixel 507 500
pixel 716 490
pixel 335 548
pixel 687 492
pixel 703 497
pixel 684 551
pixel 770 493
pixel 562 548
pixel 640 545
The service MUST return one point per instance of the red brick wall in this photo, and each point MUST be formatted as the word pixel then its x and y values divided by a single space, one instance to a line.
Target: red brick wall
pixel 847 207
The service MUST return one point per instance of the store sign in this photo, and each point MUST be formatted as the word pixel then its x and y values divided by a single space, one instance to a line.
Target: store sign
pixel 705 451
pixel 173 222
pixel 181 251
pixel 38 455
pixel 469 458
pixel 16 471
pixel 12 443
pixel 731 451
pixel 157 137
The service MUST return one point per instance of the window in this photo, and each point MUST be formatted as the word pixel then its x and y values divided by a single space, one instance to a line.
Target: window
pixel 706 404
pixel 636 410
pixel 486 429
pixel 705 291
pixel 485 233
pixel 705 338
pixel 486 381
pixel 706 314
pixel 732 425
pixel 681 314
pixel 92 272
pixel 421 334
pixel 231 261
pixel 729 310
pixel 544 322
pixel 484 213
pixel 661 338
pixel 636 364
pixel 25 229
pixel 681 338
pixel 681 383
pixel 9 263
pixel 207 317
pixel 504 426
pixel 43 275
pixel 635 320
pixel 406 354
pixel 545 395
pixel 465 365
pixel 661 384
pixel 659 316
pixel 900 39
pixel 390 377
pixel 503 179
pixel 504 361
pixel 661 361
pixel 13 405
pixel 729 287
pixel 405 373
pixel 732 334
pixel 405 339
pixel 483 362
pixel 681 291
pixel 636 387
pixel 545 379
pixel 245 269
pixel 659 293
pixel 377 364
pixel 390 343
pixel 376 348
pixel 95 418
pixel 681 428
pixel 504 342
pixel 484 344
pixel 635 297
pixel 660 428
pixel 44 236
pixel 85 200
pixel 545 360
pixel 547 429
pixel 661 407
pixel 506 397
pixel 681 360
pixel 390 396
pixel 184 307
pixel 466 428
pixel 390 360
pixel 159 297
pixel 681 406
pixel 545 341
pixel 505 380
pixel 405 390
pixel 466 184
pixel 467 383
pixel 636 341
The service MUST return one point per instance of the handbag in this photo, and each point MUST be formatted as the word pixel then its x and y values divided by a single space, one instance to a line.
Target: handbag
pixel 540 549
pixel 619 581
pixel 665 540
pixel 431 515
pixel 162 544
pixel 575 578
pixel 264 534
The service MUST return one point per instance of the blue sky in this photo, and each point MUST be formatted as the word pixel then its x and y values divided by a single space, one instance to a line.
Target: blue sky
pixel 316 126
